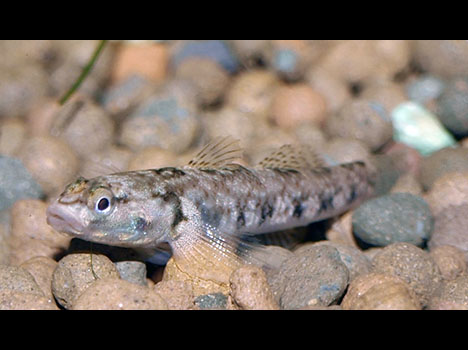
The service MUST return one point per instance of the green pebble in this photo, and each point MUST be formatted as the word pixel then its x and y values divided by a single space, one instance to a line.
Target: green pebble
pixel 416 127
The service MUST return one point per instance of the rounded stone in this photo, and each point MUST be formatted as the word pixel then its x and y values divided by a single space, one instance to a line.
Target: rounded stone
pixel 50 160
pixel 346 150
pixel 16 182
pixel 42 269
pixel 14 300
pixel 132 271
pixel 362 120
pixel 177 294
pixel 449 189
pixel 117 294
pixel 452 106
pixel 445 161
pixel 153 157
pixel 395 217
pixel 18 279
pixel 12 135
pixel 74 274
pixel 355 260
pixel 450 228
pixel 250 289
pixel 412 264
pixel 425 89
pixel 315 276
pixel 450 260
pixel 377 291
pixel 453 295
pixel 30 235
pixel 296 104
pixel 111 160
pixel 212 301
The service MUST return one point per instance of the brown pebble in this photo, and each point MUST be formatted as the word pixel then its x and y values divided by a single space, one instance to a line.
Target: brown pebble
pixel 296 104
pixel 117 294
pixel 385 93
pixel 30 235
pixel 450 260
pixel 149 60
pixel 84 125
pixel 12 135
pixel 113 159
pixel 14 300
pixel 51 162
pixel 449 189
pixel 251 93
pixel 177 294
pixel 18 279
pixel 341 230
pixel 74 275
pixel 42 269
pixel 453 295
pixel 347 150
pixel 407 183
pixel 250 289
pixel 208 78
pixel 377 291
pixel 153 158
pixel 41 116
pixel 412 264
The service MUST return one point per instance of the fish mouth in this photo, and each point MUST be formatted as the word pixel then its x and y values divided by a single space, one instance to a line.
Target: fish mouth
pixel 63 221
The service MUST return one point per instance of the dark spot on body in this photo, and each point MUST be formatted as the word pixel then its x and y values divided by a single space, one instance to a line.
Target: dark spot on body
pixel 169 172
pixel 240 219
pixel 326 204
pixel 266 212
pixel 352 194
pixel 179 216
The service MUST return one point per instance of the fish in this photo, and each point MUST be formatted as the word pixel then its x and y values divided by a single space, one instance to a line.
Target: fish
pixel 203 209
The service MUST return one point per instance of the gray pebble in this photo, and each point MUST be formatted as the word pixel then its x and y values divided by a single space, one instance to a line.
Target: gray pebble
pixel 452 106
pixel 314 276
pixel 132 271
pixel 396 217
pixel 212 301
pixel 425 88
pixel 354 259
pixel 16 182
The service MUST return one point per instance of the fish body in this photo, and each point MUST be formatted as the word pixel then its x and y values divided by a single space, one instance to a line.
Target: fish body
pixel 211 201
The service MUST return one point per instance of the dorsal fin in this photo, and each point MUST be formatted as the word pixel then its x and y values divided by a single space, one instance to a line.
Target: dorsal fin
pixel 219 153
pixel 292 157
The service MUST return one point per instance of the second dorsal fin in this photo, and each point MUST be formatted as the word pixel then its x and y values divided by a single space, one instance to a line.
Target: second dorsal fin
pixel 292 157
pixel 218 153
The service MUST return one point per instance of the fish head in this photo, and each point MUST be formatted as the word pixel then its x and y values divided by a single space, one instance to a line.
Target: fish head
pixel 113 210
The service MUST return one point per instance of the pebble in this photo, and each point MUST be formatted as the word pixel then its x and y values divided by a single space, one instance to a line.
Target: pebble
pixel 290 58
pixel 425 89
pixel 418 128
pixel 412 264
pixel 177 294
pixel 376 291
pixel 208 78
pixel 216 50
pixel 126 94
pixel 450 228
pixel 4 233
pixel 386 174
pixel 74 275
pixel 445 161
pixel 340 150
pixel 30 234
pixel 12 135
pixel 449 189
pixel 18 279
pixel 405 158
pixel 150 60
pixel 118 294
pixel 334 90
pixel 40 118
pixel 16 182
pixel 132 271
pixel 42 269
pixel 164 120
pixel 450 260
pixel 14 300
pixel 296 104
pixel 111 160
pixel 453 295
pixel 315 276
pixel 251 93
pixel 354 259
pixel 250 52
pixel 396 217
pixel 341 230
pixel 349 120
pixel 384 93
pixel 445 58
pixel 153 157
pixel 452 106
pixel 84 125
pixel 407 183
pixel 51 162
pixel 250 289
pixel 212 301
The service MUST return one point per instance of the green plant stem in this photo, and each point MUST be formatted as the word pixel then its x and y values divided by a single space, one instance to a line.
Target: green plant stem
pixel 85 71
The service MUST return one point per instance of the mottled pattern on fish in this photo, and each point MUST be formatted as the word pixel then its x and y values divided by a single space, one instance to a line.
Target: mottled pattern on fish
pixel 211 200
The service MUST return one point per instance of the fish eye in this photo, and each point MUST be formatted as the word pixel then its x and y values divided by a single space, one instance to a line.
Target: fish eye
pixel 101 201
